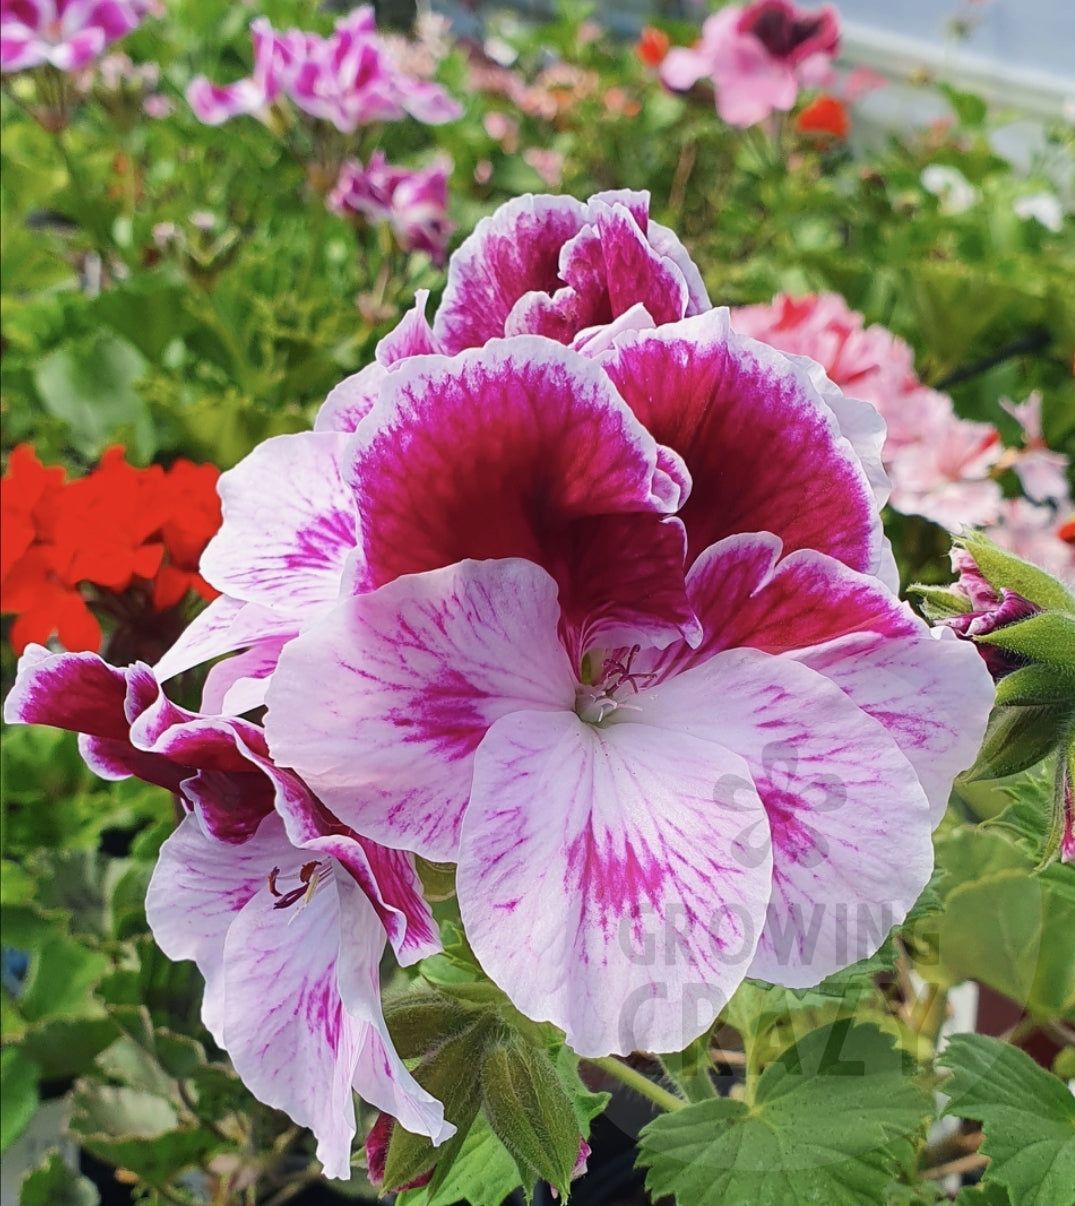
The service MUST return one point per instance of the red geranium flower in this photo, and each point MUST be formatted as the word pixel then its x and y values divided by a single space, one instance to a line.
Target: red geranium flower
pixel 123 539
pixel 826 115
pixel 652 46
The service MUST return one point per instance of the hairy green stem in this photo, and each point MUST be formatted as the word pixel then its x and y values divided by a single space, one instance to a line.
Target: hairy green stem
pixel 634 1080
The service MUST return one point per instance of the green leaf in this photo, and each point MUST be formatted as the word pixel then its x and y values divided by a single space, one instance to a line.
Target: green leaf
pixel 528 1109
pixel 90 384
pixel 18 1094
pixel 1027 1115
pixel 829 1122
pixel 1047 637
pixel 53 1183
pixel 138 1130
pixel 1013 932
pixel 1003 569
pixel 968 107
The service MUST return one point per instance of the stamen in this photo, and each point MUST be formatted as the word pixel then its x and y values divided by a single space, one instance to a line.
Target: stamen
pixel 307 885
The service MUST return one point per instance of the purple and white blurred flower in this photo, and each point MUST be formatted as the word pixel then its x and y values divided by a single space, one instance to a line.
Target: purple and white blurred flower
pixel 285 910
pixel 412 201
pixel 758 56
pixel 65 34
pixel 348 78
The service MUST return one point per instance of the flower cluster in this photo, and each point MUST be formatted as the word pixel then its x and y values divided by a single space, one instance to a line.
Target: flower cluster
pixel 126 541
pixel 65 34
pixel 576 588
pixel 413 201
pixel 941 466
pixel 348 79
pixel 758 56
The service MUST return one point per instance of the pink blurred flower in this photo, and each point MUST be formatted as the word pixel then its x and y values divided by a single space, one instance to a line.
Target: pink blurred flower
pixel 1031 531
pixel 413 201
pixel 758 57
pixel 67 34
pixel 1042 472
pixel 349 79
pixel 945 473
pixel 548 164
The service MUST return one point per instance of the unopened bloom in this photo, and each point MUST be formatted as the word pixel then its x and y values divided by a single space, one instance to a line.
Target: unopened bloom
pixel 412 201
pixel 989 610
pixel 758 56
pixel 285 911
pixel 349 79
pixel 66 34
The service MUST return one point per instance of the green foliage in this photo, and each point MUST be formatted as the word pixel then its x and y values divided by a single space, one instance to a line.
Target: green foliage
pixel 1028 1117
pixel 55 1184
pixel 829 1121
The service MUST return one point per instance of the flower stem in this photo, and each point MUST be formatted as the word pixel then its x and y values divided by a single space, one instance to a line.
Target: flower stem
pixel 637 1082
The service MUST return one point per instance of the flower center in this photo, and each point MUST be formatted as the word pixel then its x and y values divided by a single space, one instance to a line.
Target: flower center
pixel 309 876
pixel 596 701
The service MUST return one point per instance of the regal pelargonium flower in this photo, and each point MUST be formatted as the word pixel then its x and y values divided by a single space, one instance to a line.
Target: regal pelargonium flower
pixel 758 57
pixel 66 34
pixel 572 271
pixel 740 763
pixel 285 911
pixel 412 201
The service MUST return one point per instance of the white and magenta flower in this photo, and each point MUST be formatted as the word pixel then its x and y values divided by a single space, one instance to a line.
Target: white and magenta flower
pixel 66 34
pixel 758 56
pixel 348 78
pixel 285 910
pixel 412 201
pixel 611 639
pixel 579 589
pixel 941 466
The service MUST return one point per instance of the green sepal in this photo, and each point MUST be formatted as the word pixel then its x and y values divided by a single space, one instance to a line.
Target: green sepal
pixel 421 1021
pixel 1016 739
pixel 1048 637
pixel 1036 684
pixel 452 1075
pixel 938 602
pixel 1002 569
pixel 1062 788
pixel 529 1110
